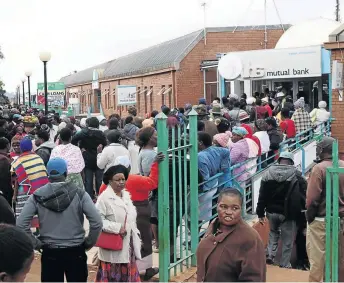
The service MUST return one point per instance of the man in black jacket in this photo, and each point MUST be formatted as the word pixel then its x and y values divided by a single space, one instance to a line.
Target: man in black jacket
pixel 88 140
pixel 275 136
pixel 282 197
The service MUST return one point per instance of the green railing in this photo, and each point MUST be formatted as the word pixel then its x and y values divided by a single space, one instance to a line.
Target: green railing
pixel 332 217
pixel 179 190
pixel 177 196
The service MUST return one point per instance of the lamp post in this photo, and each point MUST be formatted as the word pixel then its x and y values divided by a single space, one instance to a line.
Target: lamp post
pixel 23 82
pixel 28 74
pixel 18 94
pixel 45 57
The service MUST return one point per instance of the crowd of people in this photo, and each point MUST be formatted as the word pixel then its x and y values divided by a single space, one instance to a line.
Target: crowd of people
pixel 55 170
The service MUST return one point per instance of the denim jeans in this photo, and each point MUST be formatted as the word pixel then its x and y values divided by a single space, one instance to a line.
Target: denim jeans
pixel 278 222
pixel 89 184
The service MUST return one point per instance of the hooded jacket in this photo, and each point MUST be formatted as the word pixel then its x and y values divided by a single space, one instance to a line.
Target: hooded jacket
pixel 60 208
pixel 130 131
pixel 89 139
pixel 282 191
pixel 44 151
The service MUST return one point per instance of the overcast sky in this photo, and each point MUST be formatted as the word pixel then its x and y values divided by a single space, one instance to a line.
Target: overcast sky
pixel 82 33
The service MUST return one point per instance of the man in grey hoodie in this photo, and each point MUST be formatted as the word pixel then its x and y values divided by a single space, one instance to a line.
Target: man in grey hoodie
pixel 61 207
pixel 282 197
pixel 45 146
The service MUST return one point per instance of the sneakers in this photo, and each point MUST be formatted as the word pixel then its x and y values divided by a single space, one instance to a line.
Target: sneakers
pixel 155 250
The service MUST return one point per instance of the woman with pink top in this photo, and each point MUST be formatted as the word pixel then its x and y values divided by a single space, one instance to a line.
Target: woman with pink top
pixel 73 156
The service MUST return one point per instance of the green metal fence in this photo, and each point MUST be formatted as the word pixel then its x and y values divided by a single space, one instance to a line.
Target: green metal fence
pixel 177 196
pixel 332 218
pixel 179 190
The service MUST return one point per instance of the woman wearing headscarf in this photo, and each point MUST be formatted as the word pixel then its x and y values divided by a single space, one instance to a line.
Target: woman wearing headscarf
pixel 239 153
pixel 119 217
pixel 320 115
pixel 254 149
pixel 223 139
pixel 139 188
pixel 230 251
pixel 15 147
pixel 301 117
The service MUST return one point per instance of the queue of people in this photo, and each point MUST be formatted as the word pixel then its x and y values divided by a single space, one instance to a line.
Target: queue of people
pixel 58 170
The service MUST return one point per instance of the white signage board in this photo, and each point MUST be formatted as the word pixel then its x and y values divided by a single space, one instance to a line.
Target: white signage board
pixel 300 62
pixel 337 75
pixel 126 95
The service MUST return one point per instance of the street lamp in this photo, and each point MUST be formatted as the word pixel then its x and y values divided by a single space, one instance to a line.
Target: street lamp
pixel 23 81
pixel 45 57
pixel 18 94
pixel 28 74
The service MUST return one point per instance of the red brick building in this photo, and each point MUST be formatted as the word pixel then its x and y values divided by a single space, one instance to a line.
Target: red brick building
pixel 165 74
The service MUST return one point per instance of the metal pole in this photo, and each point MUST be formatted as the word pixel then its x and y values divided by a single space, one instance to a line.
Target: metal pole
pixel 337 11
pixel 23 93
pixel 204 22
pixel 45 88
pixel 265 31
pixel 193 185
pixel 18 91
pixel 28 84
pixel 163 201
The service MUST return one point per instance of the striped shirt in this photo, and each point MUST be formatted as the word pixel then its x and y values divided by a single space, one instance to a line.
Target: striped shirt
pixel 30 171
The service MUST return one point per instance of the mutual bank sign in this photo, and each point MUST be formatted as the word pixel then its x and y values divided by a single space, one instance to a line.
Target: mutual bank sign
pixel 255 73
pixel 281 63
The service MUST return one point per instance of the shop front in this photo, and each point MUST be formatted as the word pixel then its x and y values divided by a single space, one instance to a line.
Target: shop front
pixel 300 71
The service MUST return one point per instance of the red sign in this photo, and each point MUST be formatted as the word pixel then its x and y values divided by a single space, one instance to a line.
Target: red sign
pixel 40 99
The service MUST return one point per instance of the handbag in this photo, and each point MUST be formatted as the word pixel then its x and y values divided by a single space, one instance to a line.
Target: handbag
pixel 110 241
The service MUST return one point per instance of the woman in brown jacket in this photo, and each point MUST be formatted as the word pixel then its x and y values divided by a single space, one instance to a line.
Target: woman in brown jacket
pixel 230 251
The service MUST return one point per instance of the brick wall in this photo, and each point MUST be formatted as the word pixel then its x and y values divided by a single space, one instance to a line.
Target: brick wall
pixel 145 104
pixel 187 87
pixel 337 106
pixel 190 79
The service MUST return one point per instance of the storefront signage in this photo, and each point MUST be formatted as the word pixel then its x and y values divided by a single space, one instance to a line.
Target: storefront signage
pixel 277 63
pixel 56 94
pixel 126 95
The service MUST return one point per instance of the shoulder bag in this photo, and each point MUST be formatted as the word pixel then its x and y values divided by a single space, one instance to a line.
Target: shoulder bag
pixel 110 241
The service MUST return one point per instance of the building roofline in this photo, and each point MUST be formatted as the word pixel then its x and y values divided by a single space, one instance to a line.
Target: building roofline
pixel 175 64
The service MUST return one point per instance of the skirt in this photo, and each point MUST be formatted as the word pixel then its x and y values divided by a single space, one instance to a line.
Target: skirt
pixel 76 179
pixel 119 272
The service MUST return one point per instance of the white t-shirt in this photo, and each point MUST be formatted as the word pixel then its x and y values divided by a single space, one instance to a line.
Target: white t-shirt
pixel 264 140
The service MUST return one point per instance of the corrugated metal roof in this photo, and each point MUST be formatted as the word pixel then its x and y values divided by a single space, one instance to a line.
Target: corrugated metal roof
pixel 158 57
pixel 83 76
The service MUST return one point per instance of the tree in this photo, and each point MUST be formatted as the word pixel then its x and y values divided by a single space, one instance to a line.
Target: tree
pixel 3 98
pixel 1 54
